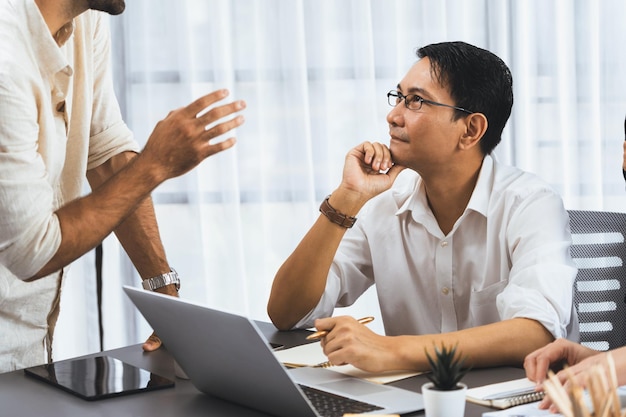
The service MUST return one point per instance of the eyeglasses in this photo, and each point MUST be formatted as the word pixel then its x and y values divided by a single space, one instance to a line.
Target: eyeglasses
pixel 415 102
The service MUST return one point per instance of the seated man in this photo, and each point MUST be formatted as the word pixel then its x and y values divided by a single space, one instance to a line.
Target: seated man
pixel 462 249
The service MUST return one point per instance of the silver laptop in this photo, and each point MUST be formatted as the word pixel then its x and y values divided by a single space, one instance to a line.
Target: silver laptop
pixel 227 356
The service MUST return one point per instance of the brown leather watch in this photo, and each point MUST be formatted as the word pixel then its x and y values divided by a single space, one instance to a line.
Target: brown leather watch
pixel 334 216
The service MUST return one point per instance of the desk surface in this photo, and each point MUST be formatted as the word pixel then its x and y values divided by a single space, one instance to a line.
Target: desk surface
pixel 24 396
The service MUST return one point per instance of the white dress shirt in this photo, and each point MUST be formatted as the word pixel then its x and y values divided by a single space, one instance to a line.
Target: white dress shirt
pixel 507 256
pixel 59 119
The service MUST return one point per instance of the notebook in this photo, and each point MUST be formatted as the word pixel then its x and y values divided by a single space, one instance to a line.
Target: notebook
pixel 311 354
pixel 505 394
pixel 227 356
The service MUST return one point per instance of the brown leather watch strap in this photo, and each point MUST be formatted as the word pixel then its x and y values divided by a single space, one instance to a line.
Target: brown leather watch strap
pixel 334 216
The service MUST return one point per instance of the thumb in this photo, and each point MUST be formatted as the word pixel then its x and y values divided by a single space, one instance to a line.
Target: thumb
pixel 394 171
pixel 153 343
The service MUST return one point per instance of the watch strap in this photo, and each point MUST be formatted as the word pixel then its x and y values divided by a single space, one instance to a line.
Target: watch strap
pixel 162 280
pixel 334 216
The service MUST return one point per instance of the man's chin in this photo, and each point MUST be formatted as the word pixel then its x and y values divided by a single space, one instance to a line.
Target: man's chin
pixel 397 156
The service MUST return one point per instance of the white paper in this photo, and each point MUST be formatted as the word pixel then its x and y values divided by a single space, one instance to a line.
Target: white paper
pixel 311 354
pixel 525 410
pixel 501 389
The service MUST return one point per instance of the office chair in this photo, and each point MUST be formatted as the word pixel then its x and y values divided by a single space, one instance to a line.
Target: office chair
pixel 599 250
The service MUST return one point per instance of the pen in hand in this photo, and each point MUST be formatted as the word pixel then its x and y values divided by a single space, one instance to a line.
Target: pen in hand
pixel 322 333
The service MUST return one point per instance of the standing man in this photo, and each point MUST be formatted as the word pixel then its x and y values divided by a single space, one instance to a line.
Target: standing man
pixel 61 122
pixel 462 249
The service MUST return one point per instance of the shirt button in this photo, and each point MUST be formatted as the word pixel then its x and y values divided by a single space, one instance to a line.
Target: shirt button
pixel 445 290
pixel 444 243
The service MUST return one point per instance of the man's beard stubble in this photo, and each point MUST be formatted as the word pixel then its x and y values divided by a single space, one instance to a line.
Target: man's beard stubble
pixel 112 7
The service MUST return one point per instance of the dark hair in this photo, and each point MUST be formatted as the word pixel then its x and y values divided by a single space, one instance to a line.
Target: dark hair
pixel 477 80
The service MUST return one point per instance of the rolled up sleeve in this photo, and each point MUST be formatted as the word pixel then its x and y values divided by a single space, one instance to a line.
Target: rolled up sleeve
pixel 30 233
pixel 108 134
pixel 542 276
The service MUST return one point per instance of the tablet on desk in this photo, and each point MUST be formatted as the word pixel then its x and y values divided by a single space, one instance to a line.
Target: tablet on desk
pixel 98 377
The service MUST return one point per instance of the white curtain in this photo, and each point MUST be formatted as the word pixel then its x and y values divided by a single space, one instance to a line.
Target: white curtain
pixel 314 74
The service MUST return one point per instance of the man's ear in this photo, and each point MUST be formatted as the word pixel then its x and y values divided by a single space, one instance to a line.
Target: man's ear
pixel 475 128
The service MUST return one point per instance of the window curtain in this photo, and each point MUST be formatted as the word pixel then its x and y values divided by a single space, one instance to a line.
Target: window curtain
pixel 314 74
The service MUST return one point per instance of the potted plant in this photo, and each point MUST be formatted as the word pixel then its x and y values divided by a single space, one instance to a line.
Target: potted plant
pixel 444 395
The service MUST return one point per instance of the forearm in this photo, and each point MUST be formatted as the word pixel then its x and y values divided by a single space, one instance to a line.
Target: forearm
pixel 504 343
pixel 139 233
pixel 86 221
pixel 301 280
pixel 140 238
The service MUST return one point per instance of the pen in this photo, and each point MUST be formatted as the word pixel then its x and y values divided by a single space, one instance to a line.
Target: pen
pixel 322 333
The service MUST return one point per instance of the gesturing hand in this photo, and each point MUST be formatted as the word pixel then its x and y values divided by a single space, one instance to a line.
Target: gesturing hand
pixel 184 138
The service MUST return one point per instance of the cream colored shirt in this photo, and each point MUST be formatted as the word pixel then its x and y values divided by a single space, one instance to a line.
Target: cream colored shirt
pixel 58 118
pixel 507 256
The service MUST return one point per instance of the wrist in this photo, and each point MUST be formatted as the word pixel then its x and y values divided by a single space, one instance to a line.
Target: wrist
pixel 347 201
pixel 170 289
pixel 147 170
pixel 161 282
pixel 335 216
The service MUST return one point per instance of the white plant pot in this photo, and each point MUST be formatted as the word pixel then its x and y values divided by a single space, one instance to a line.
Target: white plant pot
pixel 444 403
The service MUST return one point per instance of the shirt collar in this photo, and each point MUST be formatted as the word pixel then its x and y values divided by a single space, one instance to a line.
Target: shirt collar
pixel 479 201
pixel 49 55
pixel 417 203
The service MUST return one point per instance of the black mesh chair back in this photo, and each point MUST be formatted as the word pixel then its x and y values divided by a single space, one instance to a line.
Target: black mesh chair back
pixel 599 250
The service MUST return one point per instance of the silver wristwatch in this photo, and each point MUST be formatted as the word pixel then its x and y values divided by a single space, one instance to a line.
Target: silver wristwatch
pixel 161 281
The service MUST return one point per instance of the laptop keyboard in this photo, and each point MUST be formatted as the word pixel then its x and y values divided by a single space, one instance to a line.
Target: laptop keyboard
pixel 331 405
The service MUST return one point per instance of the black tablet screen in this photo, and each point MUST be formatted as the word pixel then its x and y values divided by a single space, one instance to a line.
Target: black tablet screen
pixel 98 377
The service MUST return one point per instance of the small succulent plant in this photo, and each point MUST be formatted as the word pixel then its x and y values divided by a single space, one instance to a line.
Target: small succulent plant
pixel 447 367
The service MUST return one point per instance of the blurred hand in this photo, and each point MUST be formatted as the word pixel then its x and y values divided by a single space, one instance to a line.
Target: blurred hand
pixel 559 353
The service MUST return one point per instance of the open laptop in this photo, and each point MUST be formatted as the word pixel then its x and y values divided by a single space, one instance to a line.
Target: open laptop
pixel 227 356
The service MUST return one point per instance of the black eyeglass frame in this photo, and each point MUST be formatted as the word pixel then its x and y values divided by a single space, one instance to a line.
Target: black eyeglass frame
pixel 398 95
